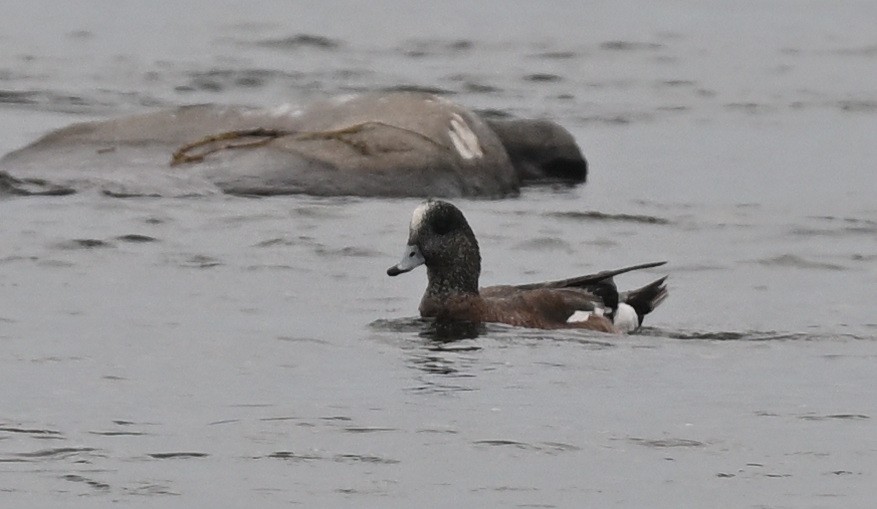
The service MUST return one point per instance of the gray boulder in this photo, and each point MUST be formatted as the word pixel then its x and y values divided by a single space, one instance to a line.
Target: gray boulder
pixel 376 144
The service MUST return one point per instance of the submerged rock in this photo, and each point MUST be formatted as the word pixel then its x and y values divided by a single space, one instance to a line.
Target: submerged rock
pixel 376 144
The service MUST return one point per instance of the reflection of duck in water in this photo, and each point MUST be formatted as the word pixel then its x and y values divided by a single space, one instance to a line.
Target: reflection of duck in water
pixel 375 144
pixel 440 238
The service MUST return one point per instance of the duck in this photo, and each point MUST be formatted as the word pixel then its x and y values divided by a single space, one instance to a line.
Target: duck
pixel 440 237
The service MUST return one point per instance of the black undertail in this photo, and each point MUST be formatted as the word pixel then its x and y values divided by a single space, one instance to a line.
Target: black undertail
pixel 644 300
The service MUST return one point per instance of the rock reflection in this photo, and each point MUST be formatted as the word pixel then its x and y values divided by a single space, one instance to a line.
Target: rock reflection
pixel 439 357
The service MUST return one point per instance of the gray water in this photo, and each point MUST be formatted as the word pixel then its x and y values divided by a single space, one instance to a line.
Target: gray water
pixel 224 351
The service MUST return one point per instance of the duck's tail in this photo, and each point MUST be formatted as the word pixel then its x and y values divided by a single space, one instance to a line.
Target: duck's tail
pixel 590 279
pixel 626 309
pixel 644 300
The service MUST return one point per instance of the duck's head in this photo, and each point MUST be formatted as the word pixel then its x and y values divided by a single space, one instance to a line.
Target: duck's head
pixel 440 238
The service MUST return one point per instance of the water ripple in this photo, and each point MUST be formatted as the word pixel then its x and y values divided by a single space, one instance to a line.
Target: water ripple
pixel 177 455
pixel 338 458
pixel 662 443
pixel 546 447
pixel 593 215
pixel 749 335
pixel 795 261
pixel 299 41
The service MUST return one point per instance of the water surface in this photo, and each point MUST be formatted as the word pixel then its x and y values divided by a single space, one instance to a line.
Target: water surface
pixel 224 351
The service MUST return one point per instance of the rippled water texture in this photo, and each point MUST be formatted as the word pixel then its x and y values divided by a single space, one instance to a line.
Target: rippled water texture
pixel 225 352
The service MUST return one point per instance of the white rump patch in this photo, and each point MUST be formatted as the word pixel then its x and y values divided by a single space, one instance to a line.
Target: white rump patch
pixel 625 318
pixel 582 316
pixel 418 214
pixel 579 316
pixel 464 140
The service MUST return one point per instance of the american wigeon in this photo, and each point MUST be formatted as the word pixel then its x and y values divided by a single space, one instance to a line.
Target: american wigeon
pixel 372 144
pixel 440 238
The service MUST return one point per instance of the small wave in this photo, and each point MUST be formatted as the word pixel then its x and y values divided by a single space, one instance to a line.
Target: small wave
pixel 557 55
pixel 697 267
pixel 837 232
pixel 219 80
pixel 843 417
pixel 278 418
pixel 12 186
pixel 676 83
pixel 593 215
pixel 857 51
pixel 303 339
pixel 617 119
pixel 450 336
pixel 421 48
pixel 543 78
pixel 590 339
pixel 117 433
pixel 98 101
pixel 299 41
pixel 57 453
pixel 546 447
pixel 857 106
pixel 30 431
pixel 91 482
pixel 338 458
pixel 840 226
pixel 149 489
pixel 630 46
pixel 277 241
pixel 348 251
pixel 748 107
pixel 662 443
pixel 794 261
pixel 367 429
pixel 17 97
pixel 37 97
pixel 289 455
pixel 195 261
pixel 477 87
pixel 16 258
pixel 84 244
pixel 419 89
pixel 545 244
pixel 741 335
pixel 136 238
pixel 119 422
pixel 364 458
pixel 177 455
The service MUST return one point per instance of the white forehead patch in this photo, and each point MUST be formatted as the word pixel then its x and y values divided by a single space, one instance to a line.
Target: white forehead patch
pixel 464 140
pixel 418 215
